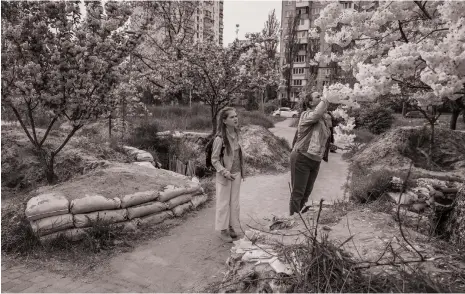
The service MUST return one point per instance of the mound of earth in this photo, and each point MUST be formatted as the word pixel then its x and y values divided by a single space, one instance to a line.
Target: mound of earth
pixel 22 170
pixel 398 147
pixel 116 181
pixel 263 151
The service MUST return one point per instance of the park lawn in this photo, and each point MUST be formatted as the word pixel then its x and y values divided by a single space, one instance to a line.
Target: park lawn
pixel 443 121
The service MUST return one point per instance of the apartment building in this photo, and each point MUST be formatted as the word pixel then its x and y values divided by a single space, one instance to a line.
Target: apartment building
pixel 209 21
pixel 200 20
pixel 298 17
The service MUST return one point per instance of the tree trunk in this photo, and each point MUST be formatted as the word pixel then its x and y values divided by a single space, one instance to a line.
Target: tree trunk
pixel 454 118
pixel 404 109
pixel 50 172
pixel 48 161
pixel 431 143
pixel 109 126
pixel 214 115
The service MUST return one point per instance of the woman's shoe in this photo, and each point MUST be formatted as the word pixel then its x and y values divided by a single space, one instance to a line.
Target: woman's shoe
pixel 225 236
pixel 232 233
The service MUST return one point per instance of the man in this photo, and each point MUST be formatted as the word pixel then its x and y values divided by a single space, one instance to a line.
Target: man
pixel 309 148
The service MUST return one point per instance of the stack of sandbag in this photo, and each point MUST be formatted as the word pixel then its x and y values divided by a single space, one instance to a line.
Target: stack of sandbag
pixel 52 214
pixel 144 207
pixel 49 213
pixel 141 157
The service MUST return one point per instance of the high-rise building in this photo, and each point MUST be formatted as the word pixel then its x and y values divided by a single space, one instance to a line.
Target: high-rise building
pixel 200 20
pixel 297 18
pixel 209 21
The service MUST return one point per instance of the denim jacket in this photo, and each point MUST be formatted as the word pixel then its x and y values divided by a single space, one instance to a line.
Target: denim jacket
pixel 224 164
pixel 313 131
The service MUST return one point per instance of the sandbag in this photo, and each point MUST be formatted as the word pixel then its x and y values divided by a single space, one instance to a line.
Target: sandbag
pixel 146 209
pixel 145 164
pixel 170 192
pixel 156 218
pixel 90 203
pixel 198 200
pixel 108 216
pixel 144 156
pixel 52 224
pixel 45 205
pixel 71 234
pixel 138 198
pixel 178 200
pixel 181 209
pixel 194 187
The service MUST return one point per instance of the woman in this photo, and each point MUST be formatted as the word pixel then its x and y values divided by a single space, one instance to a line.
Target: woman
pixel 228 162
pixel 308 150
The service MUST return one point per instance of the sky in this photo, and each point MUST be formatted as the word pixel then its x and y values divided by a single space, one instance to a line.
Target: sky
pixel 250 15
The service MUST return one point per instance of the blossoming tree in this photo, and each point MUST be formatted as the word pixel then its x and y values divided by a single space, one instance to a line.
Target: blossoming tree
pixel 61 63
pixel 215 74
pixel 411 48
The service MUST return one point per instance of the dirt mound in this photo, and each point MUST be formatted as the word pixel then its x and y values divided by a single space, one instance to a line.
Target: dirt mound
pixel 264 151
pixel 399 146
pixel 116 181
pixel 22 170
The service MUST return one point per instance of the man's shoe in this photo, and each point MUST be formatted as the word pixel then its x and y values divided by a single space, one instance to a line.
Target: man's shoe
pixel 225 236
pixel 232 233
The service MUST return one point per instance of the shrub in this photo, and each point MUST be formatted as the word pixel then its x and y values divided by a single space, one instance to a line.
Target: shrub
pixel 144 135
pixel 374 117
pixel 255 118
pixel 271 106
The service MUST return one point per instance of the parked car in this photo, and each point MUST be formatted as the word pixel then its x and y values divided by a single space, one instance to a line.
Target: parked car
pixel 285 112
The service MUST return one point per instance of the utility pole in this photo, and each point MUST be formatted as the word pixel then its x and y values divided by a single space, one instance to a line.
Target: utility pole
pixel 190 97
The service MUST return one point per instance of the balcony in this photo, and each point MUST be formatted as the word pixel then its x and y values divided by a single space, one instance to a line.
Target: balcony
pixel 304 27
pixel 302 3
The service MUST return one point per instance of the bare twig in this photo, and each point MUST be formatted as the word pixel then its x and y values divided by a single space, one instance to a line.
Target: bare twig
pixel 404 186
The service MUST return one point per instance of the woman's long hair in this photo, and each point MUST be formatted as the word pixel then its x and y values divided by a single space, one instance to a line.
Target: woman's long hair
pixel 221 127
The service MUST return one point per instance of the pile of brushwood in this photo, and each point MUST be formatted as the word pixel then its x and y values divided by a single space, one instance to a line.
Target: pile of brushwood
pixel 316 264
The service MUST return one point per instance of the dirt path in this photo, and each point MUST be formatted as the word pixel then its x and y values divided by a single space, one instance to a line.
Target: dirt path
pixel 192 255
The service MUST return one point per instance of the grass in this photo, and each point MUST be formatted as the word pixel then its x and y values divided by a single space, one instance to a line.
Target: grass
pixel 198 118
pixel 443 121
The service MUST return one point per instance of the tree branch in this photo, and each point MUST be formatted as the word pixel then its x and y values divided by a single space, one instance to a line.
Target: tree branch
pixel 73 131
pixel 47 131
pixel 423 8
pixel 21 122
pixel 402 32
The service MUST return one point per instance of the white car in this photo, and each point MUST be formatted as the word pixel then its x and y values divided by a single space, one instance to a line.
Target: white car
pixel 285 112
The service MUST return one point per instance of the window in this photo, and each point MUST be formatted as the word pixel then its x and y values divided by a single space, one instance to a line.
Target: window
pixel 288 13
pixel 289 2
pixel 299 58
pixel 197 34
pixel 302 47
pixel 297 82
pixel 314 70
pixel 347 5
pixel 298 71
pixel 301 22
pixel 301 35
pixel 316 10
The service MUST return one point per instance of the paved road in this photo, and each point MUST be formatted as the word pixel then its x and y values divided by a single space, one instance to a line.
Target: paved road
pixel 192 255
